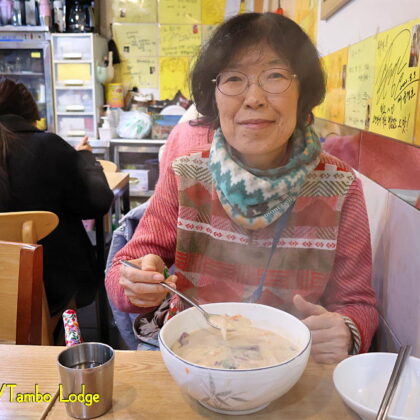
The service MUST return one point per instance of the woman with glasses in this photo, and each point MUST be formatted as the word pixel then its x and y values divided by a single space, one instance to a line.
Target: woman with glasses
pixel 260 214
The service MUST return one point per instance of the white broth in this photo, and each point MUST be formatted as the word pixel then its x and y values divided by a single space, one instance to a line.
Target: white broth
pixel 239 346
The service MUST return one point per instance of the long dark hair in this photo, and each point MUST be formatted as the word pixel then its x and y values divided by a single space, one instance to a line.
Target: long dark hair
pixel 15 99
pixel 283 35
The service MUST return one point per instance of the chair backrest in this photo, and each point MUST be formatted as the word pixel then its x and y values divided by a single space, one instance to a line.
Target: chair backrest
pixel 107 165
pixel 30 227
pixel 27 226
pixel 21 293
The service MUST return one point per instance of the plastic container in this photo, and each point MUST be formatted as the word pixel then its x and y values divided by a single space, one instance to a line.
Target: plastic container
pixel 114 95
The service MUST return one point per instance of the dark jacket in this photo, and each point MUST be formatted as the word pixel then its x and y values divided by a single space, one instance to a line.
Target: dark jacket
pixel 46 173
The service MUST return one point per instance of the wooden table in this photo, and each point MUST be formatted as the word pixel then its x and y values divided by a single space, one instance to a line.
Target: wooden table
pixel 119 184
pixel 143 389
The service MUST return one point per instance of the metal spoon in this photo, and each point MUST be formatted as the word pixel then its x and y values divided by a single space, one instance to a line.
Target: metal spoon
pixel 393 382
pixel 214 320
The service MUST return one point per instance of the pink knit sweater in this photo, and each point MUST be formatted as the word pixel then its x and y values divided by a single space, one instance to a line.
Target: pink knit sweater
pixel 348 291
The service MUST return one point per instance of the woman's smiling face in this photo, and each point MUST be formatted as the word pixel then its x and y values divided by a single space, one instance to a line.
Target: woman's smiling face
pixel 258 124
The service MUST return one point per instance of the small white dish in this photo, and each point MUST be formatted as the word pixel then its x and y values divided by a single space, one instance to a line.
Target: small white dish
pixel 361 381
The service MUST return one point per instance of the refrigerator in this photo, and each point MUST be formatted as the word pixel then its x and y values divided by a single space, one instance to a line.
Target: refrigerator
pixel 25 56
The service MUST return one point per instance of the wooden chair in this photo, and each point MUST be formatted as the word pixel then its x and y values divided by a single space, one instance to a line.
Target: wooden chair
pixel 107 165
pixel 27 226
pixel 30 227
pixel 21 292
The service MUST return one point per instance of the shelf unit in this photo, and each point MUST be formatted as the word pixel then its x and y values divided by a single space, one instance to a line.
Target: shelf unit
pixel 23 73
pixel 25 56
pixel 149 146
pixel 78 96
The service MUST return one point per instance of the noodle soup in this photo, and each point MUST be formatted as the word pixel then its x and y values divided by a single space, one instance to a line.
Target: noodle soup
pixel 237 346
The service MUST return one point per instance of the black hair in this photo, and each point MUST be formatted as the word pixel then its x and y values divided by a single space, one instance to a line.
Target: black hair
pixel 15 99
pixel 283 35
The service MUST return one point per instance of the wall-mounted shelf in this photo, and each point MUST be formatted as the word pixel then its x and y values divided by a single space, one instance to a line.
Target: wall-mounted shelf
pixel 12 28
pixel 24 73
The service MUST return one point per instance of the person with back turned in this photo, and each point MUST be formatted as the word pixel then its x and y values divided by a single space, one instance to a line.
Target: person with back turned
pixel 41 171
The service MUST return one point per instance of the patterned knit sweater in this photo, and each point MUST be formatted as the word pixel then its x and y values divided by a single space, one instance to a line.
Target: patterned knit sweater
pixel 324 253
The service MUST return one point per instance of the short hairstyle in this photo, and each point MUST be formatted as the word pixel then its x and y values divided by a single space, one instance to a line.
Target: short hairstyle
pixel 16 99
pixel 283 35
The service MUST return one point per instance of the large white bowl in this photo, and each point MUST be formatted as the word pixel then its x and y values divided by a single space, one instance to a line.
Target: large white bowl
pixel 236 391
pixel 361 381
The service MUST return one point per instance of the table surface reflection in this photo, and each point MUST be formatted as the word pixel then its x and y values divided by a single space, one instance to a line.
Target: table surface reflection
pixel 143 389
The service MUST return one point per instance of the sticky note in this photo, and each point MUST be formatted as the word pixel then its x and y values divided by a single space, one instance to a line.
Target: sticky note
pixel 136 39
pixel 173 76
pixel 179 11
pixel 359 83
pixel 179 40
pixel 134 11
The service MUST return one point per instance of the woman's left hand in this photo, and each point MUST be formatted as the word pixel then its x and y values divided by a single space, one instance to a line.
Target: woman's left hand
pixel 331 338
pixel 83 144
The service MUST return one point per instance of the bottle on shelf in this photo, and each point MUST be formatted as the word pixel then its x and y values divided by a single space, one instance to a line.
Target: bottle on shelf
pixel 80 17
pixel 45 13
pixel 59 20
pixel 30 12
pixel 17 18
pixel 129 98
pixel 6 7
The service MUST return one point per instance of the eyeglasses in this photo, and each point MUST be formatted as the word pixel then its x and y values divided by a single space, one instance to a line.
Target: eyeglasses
pixel 233 83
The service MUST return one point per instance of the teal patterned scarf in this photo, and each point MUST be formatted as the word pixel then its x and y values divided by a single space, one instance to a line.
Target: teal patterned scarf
pixel 254 198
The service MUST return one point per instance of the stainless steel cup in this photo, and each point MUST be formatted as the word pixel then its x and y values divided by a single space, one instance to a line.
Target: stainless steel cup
pixel 87 375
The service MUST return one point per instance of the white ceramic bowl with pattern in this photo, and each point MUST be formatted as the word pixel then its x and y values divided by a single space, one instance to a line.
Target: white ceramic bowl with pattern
pixel 361 381
pixel 236 391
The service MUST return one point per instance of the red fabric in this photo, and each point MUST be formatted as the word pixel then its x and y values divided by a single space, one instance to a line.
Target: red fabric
pixel 183 139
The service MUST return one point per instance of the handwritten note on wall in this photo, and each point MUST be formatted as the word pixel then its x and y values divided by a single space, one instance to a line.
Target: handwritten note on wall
pixel 207 32
pixel 180 11
pixel 136 39
pixel 212 11
pixel 134 11
pixel 140 72
pixel 359 83
pixel 179 40
pixel 417 130
pixel 333 106
pixel 396 84
pixel 321 110
pixel 173 76
pixel 306 15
